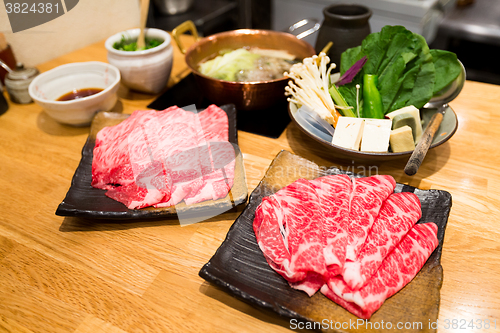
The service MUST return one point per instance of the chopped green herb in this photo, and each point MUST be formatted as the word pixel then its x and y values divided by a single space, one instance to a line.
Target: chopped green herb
pixel 126 44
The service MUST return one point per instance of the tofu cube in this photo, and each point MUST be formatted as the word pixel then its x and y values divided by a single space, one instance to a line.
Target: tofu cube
pixel 376 135
pixel 409 111
pixel 402 139
pixel 348 132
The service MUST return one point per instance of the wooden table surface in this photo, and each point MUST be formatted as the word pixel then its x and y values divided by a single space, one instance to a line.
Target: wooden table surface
pixel 72 275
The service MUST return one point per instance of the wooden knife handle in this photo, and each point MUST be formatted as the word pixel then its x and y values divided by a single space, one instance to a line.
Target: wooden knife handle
pixel 423 145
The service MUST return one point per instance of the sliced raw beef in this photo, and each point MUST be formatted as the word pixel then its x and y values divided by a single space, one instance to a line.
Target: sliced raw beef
pixel 152 185
pixel 216 185
pixel 223 156
pixel 396 217
pixel 181 190
pixel 147 179
pixel 111 161
pixel 267 226
pixel 288 231
pixel 294 226
pixel 217 160
pixel 302 219
pixel 215 124
pixel 310 284
pixel 396 271
pixel 334 192
pixel 367 197
pixel 157 157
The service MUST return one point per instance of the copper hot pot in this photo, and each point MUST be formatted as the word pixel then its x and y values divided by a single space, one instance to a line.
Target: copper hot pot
pixel 245 95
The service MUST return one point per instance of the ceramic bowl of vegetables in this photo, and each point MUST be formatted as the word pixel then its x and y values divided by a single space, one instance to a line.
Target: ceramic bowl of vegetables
pixel 146 70
pixel 378 105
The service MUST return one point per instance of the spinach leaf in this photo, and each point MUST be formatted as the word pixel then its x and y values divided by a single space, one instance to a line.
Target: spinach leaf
pixel 403 48
pixel 376 46
pixel 424 83
pixel 401 42
pixel 349 58
pixel 406 88
pixel 390 81
pixel 447 68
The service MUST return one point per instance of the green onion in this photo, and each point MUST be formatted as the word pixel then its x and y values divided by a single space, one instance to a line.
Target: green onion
pixel 340 101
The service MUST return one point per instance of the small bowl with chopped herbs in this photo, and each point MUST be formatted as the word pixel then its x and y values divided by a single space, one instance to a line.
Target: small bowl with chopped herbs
pixel 147 69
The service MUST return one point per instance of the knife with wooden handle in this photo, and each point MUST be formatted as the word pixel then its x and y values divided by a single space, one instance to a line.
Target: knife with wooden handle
pixel 425 142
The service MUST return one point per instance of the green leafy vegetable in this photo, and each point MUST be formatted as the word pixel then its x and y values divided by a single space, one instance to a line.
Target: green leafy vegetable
pixel 424 82
pixel 131 45
pixel 447 68
pixel 408 72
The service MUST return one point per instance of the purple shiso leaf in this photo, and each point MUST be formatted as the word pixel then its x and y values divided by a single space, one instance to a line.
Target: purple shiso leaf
pixel 351 72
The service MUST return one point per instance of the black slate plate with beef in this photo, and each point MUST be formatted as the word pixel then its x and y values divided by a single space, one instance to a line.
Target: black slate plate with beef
pixel 83 200
pixel 240 268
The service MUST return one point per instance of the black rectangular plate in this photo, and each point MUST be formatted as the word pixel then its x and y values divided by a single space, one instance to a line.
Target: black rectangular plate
pixel 240 268
pixel 83 200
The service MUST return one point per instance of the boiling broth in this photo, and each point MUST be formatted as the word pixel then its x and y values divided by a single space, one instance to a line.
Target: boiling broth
pixel 248 64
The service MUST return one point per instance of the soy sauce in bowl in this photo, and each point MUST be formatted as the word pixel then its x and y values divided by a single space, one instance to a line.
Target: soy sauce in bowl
pixel 79 93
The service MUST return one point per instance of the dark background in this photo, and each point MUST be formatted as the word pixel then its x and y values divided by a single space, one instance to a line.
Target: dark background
pixel 471 29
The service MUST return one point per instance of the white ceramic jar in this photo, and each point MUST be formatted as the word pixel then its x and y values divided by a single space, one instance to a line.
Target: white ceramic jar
pixel 147 70
pixel 18 82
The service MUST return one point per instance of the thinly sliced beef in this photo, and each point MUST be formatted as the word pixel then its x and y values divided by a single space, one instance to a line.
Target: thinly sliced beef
pixel 111 161
pixel 310 284
pixel 162 157
pixel 367 197
pixel 215 124
pixel 267 226
pixel 334 192
pixel 288 232
pixel 396 217
pixel 396 271
pixel 303 231
pixel 302 218
pixel 152 185
pixel 182 190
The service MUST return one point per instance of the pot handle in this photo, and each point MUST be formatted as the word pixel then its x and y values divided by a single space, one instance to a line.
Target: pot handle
pixel 302 23
pixel 182 28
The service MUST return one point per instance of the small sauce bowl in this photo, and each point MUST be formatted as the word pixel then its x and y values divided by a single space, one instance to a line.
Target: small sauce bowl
pixel 47 87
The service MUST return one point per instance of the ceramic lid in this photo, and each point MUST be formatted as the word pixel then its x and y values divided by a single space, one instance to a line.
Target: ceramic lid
pixel 22 73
